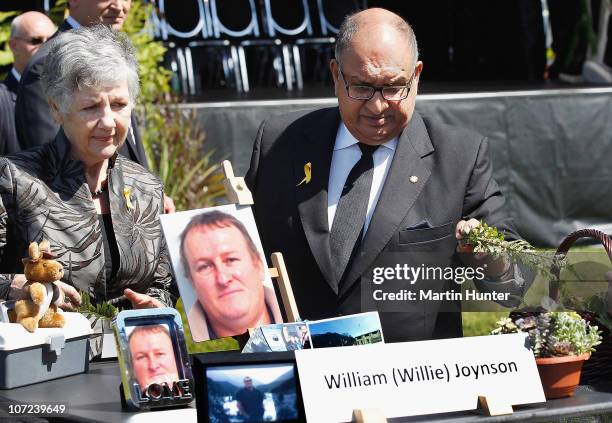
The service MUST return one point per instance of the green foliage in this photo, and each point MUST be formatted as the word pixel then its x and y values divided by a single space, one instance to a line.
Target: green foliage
pixel 154 79
pixel 488 240
pixel 6 56
pixel 479 323
pixel 554 333
pixel 596 303
pixel 171 136
pixel 103 309
pixel 58 12
pixel 191 179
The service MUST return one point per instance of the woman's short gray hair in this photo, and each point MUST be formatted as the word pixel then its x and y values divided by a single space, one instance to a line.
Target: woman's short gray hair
pixel 92 57
pixel 350 26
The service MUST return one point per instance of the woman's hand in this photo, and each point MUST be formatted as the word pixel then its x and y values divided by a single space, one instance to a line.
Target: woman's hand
pixel 142 300
pixel 72 298
pixel 18 291
pixel 169 206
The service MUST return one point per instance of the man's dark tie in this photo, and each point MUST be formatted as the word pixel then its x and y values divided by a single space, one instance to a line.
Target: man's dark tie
pixel 347 227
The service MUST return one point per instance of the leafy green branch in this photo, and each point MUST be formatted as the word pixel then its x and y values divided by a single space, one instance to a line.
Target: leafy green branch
pixel 488 240
pixel 101 310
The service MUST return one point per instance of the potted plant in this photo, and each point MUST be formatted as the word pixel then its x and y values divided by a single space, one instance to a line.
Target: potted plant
pixel 561 342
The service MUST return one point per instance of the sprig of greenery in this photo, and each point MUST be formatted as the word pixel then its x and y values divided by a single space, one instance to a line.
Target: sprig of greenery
pixel 102 310
pixel 488 240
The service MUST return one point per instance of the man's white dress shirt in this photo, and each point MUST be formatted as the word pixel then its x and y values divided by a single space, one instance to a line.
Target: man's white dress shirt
pixel 346 154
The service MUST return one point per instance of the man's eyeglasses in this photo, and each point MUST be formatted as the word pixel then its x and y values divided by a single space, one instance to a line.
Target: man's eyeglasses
pixel 366 92
pixel 35 41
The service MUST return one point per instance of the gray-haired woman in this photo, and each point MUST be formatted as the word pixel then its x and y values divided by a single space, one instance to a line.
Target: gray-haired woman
pixel 99 211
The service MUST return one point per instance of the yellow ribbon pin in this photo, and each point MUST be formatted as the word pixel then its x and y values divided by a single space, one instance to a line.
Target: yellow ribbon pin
pixel 307 174
pixel 127 192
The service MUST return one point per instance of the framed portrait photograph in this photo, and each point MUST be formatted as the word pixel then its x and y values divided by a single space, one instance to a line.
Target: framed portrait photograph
pixel 248 388
pixel 221 271
pixel 155 367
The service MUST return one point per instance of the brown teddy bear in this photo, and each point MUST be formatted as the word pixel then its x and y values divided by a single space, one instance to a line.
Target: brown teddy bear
pixel 42 272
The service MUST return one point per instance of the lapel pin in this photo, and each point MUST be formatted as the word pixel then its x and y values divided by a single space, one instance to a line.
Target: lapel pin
pixel 307 174
pixel 414 179
pixel 127 192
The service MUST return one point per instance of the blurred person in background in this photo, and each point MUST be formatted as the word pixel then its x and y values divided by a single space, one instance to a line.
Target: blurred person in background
pixel 28 32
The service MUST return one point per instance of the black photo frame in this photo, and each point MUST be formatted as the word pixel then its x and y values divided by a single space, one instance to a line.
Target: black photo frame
pixel 202 363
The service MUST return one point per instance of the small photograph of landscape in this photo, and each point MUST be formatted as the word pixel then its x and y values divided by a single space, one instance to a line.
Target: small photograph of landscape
pixel 356 329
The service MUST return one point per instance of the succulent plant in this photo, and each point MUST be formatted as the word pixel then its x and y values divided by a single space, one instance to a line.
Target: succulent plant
pixel 553 333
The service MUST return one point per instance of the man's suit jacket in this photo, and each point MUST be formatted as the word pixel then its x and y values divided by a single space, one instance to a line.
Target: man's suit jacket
pixel 8 134
pixel 454 182
pixel 33 118
pixel 11 83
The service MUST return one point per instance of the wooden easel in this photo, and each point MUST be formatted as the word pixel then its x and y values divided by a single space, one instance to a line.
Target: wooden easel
pixel 368 416
pixel 487 405
pixel 494 406
pixel 238 193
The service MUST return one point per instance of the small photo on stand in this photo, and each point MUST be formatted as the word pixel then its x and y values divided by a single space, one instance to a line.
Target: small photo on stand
pixel 282 337
pixel 252 393
pixel 155 367
pixel 355 329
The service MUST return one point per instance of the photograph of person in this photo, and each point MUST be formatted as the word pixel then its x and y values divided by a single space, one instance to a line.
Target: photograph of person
pixel 221 271
pixel 355 329
pixel 295 336
pixel 254 393
pixel 152 355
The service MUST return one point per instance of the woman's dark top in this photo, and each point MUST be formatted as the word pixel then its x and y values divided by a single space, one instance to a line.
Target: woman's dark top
pixel 111 251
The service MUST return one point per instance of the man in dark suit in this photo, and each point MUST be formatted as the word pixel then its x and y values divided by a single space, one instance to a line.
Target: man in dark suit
pixel 338 191
pixel 28 31
pixel 35 124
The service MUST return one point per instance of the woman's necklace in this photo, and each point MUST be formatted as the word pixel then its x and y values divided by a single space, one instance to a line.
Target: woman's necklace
pixel 102 190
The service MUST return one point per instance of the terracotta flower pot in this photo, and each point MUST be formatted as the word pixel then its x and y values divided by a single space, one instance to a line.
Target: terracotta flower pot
pixel 560 375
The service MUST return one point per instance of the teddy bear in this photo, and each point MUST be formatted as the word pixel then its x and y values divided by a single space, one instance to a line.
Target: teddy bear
pixel 42 272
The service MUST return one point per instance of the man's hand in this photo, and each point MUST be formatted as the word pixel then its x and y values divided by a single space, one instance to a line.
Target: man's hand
pixel 169 206
pixel 141 300
pixel 492 267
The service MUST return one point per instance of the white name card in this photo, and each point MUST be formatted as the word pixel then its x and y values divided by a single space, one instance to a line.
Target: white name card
pixel 413 378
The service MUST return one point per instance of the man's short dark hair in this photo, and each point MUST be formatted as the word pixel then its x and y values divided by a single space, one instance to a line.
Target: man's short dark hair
pixel 215 219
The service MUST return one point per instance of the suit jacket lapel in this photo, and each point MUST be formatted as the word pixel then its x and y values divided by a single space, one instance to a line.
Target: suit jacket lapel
pixel 137 144
pixel 311 197
pixel 397 197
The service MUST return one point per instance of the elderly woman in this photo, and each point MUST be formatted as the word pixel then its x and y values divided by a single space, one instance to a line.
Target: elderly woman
pixel 99 211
